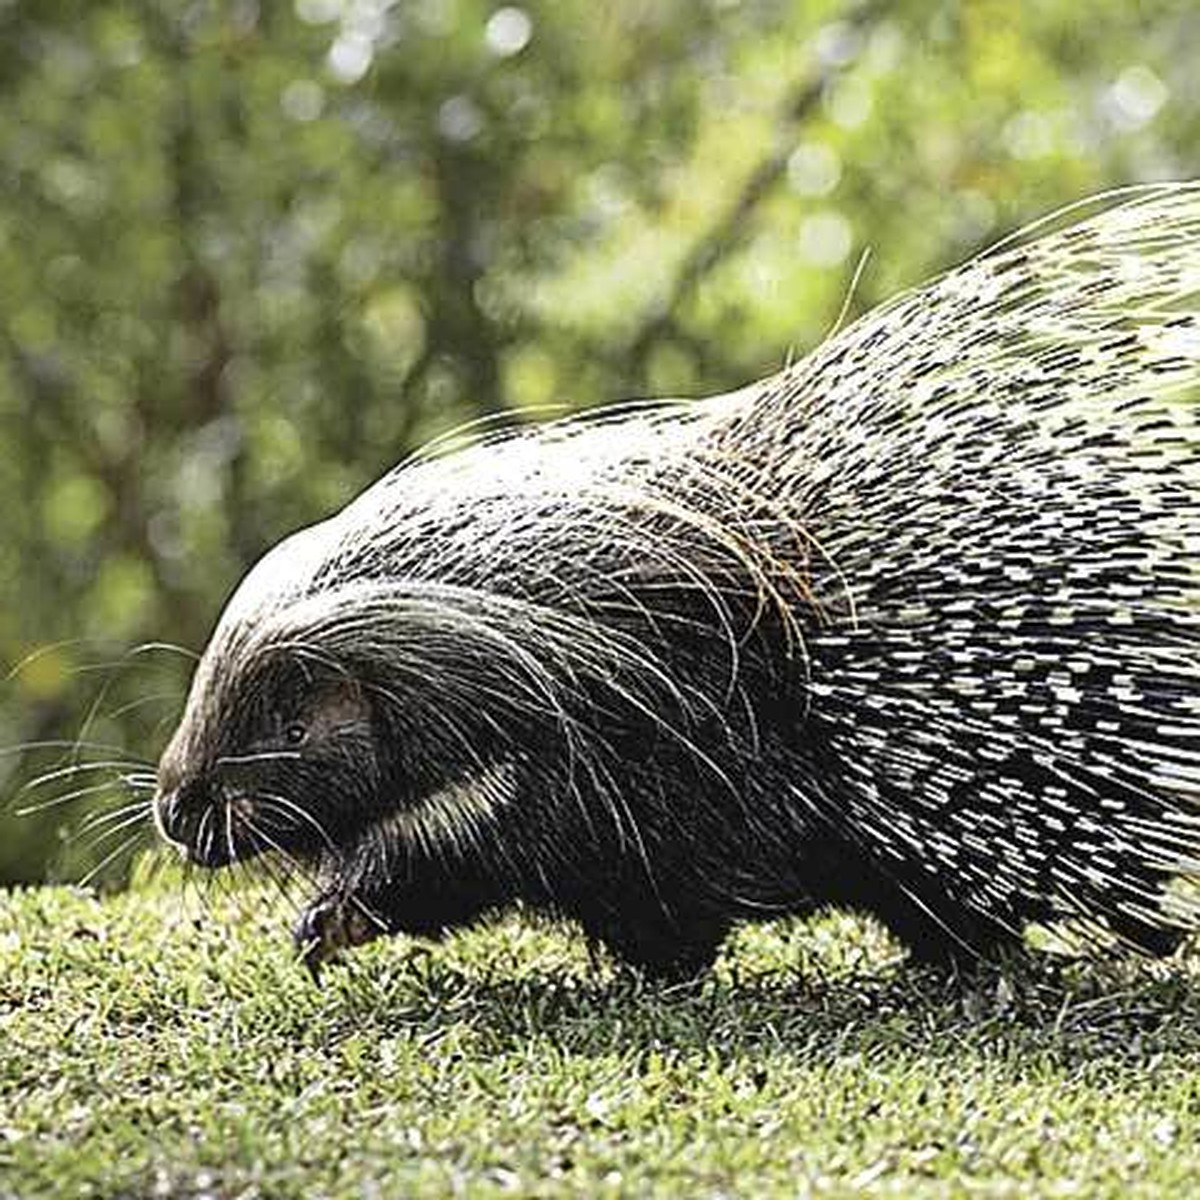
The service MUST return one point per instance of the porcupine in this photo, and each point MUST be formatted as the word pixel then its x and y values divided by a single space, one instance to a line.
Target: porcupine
pixel 912 626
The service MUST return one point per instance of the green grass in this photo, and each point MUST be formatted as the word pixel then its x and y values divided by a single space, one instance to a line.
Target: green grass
pixel 153 1045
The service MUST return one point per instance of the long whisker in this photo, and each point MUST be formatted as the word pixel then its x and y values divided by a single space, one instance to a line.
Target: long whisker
pixel 75 769
pixel 144 702
pixel 170 647
pixel 39 653
pixel 73 746
pixel 205 833
pixel 29 810
pixel 260 756
pixel 282 803
pixel 100 819
pixel 110 858
pixel 229 830
pixel 103 835
pixel 295 866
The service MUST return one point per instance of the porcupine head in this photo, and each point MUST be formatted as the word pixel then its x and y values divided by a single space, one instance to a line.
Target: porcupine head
pixel 319 729
pixel 395 704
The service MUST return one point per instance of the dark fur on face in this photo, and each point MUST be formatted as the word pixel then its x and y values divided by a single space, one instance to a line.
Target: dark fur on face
pixel 911 626
pixel 230 790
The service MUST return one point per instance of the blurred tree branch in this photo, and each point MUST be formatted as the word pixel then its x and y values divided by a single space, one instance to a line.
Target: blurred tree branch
pixel 729 227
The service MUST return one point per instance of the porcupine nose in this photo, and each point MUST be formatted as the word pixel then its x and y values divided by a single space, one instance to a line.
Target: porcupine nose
pixel 177 814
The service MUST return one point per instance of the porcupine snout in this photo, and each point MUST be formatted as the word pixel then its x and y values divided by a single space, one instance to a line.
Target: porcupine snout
pixel 178 807
pixel 190 814
pixel 184 803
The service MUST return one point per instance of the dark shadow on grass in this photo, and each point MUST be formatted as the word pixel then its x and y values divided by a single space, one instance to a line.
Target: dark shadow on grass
pixel 1118 1012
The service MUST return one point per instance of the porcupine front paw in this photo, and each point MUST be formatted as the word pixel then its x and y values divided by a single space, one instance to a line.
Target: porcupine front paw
pixel 329 925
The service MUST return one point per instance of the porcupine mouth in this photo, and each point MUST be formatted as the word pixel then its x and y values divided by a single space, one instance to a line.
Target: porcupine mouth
pixel 220 835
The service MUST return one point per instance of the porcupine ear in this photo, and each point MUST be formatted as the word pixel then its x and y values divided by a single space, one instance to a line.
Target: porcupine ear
pixel 335 702
pixel 1032 652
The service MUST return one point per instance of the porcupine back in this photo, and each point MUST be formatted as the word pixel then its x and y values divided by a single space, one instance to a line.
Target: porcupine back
pixel 1004 469
pixel 925 603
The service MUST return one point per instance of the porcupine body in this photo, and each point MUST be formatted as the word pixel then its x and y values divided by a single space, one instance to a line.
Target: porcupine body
pixel 912 626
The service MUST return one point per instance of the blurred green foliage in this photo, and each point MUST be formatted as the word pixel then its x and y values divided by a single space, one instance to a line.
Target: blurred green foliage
pixel 253 253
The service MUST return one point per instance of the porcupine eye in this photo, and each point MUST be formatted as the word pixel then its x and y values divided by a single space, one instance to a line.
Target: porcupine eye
pixel 310 770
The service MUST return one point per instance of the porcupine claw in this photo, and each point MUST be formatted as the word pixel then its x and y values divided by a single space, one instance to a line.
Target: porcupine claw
pixel 328 926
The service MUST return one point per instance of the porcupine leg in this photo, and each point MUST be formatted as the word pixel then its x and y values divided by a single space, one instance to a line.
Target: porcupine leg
pixel 937 931
pixel 352 910
pixel 954 945
pixel 674 963
pixel 335 921
pixel 941 932
pixel 657 949
pixel 1151 940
